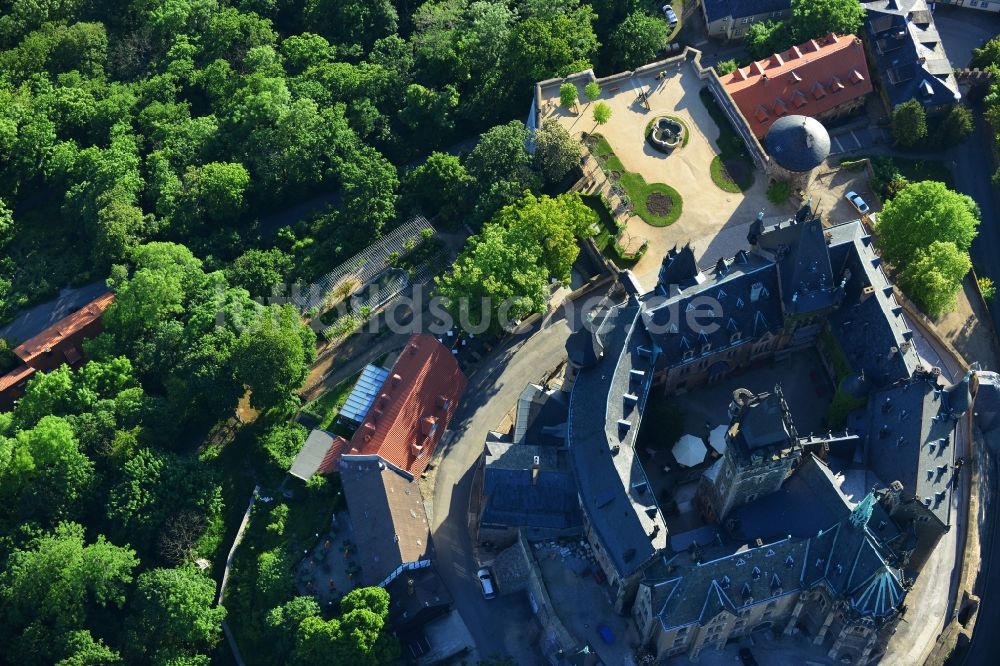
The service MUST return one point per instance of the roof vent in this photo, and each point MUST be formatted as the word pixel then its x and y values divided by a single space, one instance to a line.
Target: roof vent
pixel 396 379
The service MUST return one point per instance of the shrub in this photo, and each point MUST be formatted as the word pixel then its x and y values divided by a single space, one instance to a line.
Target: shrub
pixel 778 192
pixel 726 67
pixel 987 287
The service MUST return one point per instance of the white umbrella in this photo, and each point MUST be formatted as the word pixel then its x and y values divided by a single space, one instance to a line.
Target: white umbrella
pixel 689 451
pixel 717 438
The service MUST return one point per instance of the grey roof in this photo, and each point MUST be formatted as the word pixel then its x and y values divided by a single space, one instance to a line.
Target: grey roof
pixel 987 400
pixel 541 417
pixel 311 455
pixel 612 484
pixel 387 517
pixel 869 324
pixel 797 143
pixel 716 9
pixel 910 439
pixel 679 268
pixel 851 561
pixel 800 248
pixel 363 394
pixel 747 293
pixel 764 423
pixel 909 53
pixel 514 496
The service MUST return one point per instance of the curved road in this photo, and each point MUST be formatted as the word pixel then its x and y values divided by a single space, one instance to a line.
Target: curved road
pixel 505 625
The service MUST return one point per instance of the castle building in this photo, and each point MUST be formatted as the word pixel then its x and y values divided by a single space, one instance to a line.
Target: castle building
pixel 785 545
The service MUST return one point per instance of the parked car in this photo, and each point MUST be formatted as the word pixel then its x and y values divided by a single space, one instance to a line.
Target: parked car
pixel 668 11
pixel 747 658
pixel 486 582
pixel 857 202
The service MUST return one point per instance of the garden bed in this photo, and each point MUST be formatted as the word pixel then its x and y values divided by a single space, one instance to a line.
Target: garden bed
pixel 636 188
pixel 731 169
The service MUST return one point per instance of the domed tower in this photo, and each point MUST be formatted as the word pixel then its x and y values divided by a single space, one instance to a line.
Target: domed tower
pixel 797 145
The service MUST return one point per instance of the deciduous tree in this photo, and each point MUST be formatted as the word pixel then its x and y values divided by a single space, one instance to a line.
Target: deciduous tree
pixel 909 123
pixel 556 152
pixel 638 39
pixel 934 276
pixel 921 214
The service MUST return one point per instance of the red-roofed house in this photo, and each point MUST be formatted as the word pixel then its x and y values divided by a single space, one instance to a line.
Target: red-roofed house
pixel 408 418
pixel 58 344
pixel 821 78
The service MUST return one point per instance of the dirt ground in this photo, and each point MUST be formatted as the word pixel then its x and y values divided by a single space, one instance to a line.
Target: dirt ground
pixel 828 189
pixel 968 329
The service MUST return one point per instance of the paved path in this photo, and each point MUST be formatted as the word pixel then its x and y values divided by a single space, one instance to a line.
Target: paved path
pixel 711 218
pixel 503 625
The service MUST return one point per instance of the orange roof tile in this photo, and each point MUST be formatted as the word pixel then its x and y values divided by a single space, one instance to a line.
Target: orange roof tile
pixel 417 402
pixel 54 335
pixel 810 78
pixel 15 376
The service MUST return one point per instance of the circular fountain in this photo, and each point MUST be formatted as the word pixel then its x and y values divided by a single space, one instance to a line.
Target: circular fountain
pixel 666 134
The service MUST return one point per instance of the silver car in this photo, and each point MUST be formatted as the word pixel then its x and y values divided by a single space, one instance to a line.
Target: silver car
pixel 486 582
pixel 857 202
pixel 668 11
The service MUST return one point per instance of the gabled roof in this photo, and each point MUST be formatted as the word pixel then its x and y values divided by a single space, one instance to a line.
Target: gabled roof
pixel 387 518
pixel 52 337
pixel 716 9
pixel 869 324
pixel 808 79
pixel 416 404
pixel 15 377
pixel 318 454
pixel 911 439
pixel 613 487
pixel 909 53
pixel 800 248
pixel 747 288
pixel 519 494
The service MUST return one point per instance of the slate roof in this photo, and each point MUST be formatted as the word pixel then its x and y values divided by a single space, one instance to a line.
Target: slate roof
pixel 852 562
pixel 717 9
pixel 800 248
pixel 909 53
pixel 602 427
pixel 387 517
pixel 747 292
pixel 911 439
pixel 541 417
pixel 987 400
pixel 869 323
pixel 808 79
pixel 797 143
pixel 417 402
pixel 515 497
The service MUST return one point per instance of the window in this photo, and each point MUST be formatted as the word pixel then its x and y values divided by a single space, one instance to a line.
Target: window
pixel 737 33
pixel 746 20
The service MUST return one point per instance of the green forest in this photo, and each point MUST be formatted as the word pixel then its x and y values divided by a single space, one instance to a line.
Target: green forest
pixel 165 146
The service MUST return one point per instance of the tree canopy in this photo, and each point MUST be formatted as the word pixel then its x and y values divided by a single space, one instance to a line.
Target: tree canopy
pixel 926 230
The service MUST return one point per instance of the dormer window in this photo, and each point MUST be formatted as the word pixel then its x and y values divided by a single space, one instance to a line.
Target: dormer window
pixel 688 355
pixel 707 347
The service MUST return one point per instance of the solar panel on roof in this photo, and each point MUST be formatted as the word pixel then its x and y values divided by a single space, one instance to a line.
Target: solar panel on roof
pixel 363 394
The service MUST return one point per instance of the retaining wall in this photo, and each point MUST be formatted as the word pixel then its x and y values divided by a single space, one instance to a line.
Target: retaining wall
pixel 707 74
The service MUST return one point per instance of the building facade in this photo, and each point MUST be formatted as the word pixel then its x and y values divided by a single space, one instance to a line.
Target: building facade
pixel 730 19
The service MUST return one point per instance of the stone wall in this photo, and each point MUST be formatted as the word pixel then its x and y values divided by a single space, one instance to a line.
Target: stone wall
pixel 688 55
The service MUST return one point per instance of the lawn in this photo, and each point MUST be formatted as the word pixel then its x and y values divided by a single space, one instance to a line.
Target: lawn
pixel 605 238
pixel 658 204
pixel 731 169
pixel 324 408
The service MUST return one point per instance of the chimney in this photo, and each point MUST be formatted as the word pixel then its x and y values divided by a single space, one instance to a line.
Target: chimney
pixel 534 470
pixel 409 586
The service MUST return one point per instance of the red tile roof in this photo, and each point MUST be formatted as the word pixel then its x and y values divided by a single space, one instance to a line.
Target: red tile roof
pixel 417 402
pixel 55 335
pixel 15 376
pixel 807 79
